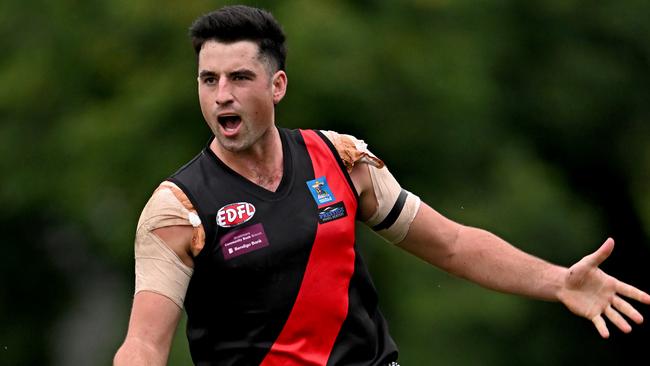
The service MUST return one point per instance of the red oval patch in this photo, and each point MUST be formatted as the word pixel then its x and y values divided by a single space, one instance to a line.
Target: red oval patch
pixel 235 214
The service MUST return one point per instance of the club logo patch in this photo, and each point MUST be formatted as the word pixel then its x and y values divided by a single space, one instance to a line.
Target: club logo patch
pixel 320 190
pixel 235 214
pixel 331 212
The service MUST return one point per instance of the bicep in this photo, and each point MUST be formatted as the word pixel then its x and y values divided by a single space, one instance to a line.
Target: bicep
pixel 162 262
pixel 384 205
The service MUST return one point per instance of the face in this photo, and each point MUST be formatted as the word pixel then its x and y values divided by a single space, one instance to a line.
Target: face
pixel 237 93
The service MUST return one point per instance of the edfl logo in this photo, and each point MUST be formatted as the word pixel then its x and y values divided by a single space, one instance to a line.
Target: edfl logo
pixel 235 214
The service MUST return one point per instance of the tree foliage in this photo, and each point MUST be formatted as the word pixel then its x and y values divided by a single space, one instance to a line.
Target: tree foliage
pixel 529 119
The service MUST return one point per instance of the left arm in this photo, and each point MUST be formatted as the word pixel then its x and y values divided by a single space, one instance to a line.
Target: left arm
pixel 480 256
pixel 484 258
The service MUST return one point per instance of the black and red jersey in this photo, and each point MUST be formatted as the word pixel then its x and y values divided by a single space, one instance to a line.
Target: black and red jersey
pixel 280 280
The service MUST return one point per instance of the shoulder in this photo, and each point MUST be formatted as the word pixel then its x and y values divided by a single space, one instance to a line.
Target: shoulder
pixel 169 206
pixel 352 150
pixel 163 205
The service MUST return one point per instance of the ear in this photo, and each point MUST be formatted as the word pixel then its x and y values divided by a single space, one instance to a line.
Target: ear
pixel 279 86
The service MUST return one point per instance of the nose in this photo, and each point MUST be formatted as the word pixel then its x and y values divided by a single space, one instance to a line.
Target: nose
pixel 224 92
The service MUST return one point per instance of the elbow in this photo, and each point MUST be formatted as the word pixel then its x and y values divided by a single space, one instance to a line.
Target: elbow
pixel 134 352
pixel 450 259
pixel 120 357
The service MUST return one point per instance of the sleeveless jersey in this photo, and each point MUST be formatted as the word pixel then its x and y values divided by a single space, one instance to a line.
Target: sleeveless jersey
pixel 279 280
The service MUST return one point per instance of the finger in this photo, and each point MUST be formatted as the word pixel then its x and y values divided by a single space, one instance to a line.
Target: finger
pixel 617 319
pixel 632 292
pixel 599 322
pixel 599 256
pixel 627 310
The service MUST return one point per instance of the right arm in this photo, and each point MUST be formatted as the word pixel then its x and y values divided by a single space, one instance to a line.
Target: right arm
pixel 154 316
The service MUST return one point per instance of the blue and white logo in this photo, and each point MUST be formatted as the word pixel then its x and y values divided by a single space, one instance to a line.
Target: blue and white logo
pixel 320 190
pixel 331 212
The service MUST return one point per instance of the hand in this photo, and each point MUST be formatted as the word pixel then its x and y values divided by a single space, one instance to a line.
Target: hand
pixel 591 293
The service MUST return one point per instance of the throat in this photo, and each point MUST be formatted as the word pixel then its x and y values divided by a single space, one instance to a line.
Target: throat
pixel 264 173
pixel 261 164
pixel 270 182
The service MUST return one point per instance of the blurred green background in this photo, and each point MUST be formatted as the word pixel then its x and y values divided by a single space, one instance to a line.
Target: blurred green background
pixel 527 118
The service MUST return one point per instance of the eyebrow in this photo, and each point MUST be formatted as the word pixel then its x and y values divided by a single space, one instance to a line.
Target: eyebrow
pixel 206 73
pixel 239 72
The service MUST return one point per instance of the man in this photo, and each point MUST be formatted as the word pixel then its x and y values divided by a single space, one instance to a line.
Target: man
pixel 255 235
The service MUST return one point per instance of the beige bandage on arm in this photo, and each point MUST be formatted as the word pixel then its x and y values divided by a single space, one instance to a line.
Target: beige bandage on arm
pixel 157 267
pixel 396 207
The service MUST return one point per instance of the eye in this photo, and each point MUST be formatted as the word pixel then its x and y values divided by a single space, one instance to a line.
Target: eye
pixel 209 80
pixel 240 77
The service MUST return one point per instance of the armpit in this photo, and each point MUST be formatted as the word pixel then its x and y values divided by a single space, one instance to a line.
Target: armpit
pixel 352 150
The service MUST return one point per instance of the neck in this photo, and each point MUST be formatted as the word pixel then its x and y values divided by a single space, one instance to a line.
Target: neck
pixel 262 163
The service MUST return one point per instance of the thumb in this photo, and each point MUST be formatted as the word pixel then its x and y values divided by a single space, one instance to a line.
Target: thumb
pixel 596 258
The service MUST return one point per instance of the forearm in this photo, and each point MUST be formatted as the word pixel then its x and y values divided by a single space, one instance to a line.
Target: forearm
pixel 486 259
pixel 481 257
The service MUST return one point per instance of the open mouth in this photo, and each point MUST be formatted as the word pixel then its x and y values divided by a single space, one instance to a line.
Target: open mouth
pixel 229 122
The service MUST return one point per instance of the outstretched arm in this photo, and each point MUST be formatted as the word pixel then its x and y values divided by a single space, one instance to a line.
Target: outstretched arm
pixel 486 259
